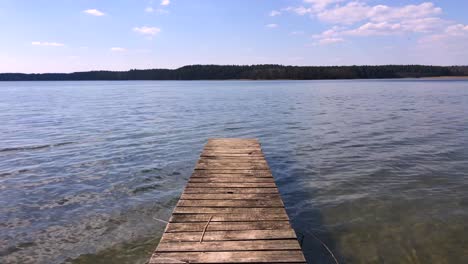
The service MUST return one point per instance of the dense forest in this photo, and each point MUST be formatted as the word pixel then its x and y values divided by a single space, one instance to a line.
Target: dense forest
pixel 252 72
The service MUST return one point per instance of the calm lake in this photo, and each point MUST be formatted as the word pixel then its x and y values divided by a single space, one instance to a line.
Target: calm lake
pixel 378 170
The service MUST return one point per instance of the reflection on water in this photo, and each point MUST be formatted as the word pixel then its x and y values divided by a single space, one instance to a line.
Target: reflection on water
pixel 375 169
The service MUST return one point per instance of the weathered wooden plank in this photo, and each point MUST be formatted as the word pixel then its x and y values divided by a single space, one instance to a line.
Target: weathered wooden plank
pixel 224 162
pixel 237 144
pixel 237 141
pixel 233 146
pixel 231 171
pixel 210 210
pixel 211 174
pixel 232 203
pixel 232 139
pixel 231 185
pixel 232 143
pixel 240 159
pixel 244 217
pixel 250 151
pixel 230 190
pixel 210 154
pixel 227 226
pixel 229 158
pixel 234 150
pixel 229 235
pixel 228 196
pixel 233 179
pixel 280 256
pixel 241 245
pixel 225 142
pixel 231 166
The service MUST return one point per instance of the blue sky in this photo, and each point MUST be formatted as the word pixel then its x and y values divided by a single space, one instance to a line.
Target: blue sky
pixel 80 35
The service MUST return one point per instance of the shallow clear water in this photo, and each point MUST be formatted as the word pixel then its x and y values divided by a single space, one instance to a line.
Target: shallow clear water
pixel 378 170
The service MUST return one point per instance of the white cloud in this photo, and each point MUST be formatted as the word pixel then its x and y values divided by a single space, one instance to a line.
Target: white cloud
pixel 327 41
pixel 94 12
pixel 452 33
pixel 385 13
pixel 118 49
pixel 347 14
pixel 333 32
pixel 157 10
pixel 457 30
pixel 316 6
pixel 300 10
pixel 363 19
pixel 271 25
pixel 359 19
pixel 275 13
pixel 165 2
pixel 149 31
pixel 368 29
pixel 321 4
pixel 423 25
pixel 354 12
pixel 50 44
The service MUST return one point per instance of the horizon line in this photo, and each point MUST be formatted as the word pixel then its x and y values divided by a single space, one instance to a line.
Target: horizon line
pixel 238 65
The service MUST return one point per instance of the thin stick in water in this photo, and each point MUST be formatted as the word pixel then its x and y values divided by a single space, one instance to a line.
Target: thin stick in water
pixel 325 246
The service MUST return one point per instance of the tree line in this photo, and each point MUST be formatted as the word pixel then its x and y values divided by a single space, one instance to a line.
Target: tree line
pixel 250 72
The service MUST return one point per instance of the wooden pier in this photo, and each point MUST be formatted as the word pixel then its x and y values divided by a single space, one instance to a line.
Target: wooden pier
pixel 229 212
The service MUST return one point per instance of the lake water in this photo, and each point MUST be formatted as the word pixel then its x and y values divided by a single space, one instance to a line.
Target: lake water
pixel 378 170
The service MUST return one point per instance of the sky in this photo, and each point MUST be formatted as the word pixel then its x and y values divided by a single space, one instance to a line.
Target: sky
pixel 80 35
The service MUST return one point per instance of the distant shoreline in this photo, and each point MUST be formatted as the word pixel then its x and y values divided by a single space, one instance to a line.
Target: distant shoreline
pixel 438 78
pixel 253 72
pixel 447 77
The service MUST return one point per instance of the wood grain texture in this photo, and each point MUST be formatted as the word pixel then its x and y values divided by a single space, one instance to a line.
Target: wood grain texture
pixel 229 235
pixel 232 203
pixel 232 174
pixel 230 190
pixel 223 226
pixel 239 179
pixel 211 171
pixel 278 256
pixel 232 196
pixel 241 245
pixel 200 217
pixel 230 211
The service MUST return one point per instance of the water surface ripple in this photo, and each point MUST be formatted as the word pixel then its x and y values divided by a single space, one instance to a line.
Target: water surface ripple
pixel 375 169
